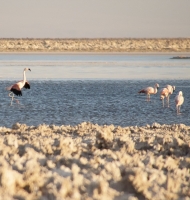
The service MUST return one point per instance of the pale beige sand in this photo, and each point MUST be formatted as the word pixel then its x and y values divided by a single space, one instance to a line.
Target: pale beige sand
pixel 95 162
pixel 96 45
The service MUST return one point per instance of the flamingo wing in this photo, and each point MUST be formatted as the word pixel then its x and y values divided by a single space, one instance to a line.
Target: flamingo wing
pixel 179 100
pixel 27 85
pixel 142 91
pixel 150 90
pixel 16 90
pixel 147 90
pixel 170 89
pixel 164 92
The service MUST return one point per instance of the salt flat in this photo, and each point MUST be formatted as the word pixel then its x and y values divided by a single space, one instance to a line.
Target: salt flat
pixel 88 161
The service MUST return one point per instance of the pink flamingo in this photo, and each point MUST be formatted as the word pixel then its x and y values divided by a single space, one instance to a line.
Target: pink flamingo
pixel 164 93
pixel 17 87
pixel 179 99
pixel 171 89
pixel 150 90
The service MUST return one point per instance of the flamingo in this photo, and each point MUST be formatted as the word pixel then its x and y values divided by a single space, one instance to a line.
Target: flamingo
pixel 171 89
pixel 179 99
pixel 17 87
pixel 150 90
pixel 164 93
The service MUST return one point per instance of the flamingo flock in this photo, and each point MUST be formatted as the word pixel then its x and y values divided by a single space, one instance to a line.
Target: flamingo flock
pixel 165 93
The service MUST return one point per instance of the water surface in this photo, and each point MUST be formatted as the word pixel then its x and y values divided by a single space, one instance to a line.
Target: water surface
pixel 99 88
pixel 101 102
pixel 95 66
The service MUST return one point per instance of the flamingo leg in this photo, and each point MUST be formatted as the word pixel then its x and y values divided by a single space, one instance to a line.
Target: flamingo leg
pixel 163 102
pixel 12 98
pixel 148 97
pixel 179 109
pixel 168 101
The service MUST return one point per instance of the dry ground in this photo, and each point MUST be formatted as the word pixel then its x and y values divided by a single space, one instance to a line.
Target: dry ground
pixel 89 161
pixel 96 45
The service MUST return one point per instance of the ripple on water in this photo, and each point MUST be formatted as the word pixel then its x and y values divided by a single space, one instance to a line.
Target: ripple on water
pixel 102 102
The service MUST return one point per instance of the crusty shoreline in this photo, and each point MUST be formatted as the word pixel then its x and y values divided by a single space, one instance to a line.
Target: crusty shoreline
pixel 96 45
pixel 88 161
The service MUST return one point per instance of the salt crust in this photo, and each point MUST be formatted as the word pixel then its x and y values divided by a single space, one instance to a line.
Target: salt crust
pixel 96 45
pixel 89 161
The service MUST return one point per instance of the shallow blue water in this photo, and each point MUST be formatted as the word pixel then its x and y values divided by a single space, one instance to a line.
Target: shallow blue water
pixel 95 66
pixel 101 102
pixel 99 88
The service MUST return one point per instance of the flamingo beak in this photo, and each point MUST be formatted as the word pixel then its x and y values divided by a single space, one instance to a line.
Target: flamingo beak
pixel 29 69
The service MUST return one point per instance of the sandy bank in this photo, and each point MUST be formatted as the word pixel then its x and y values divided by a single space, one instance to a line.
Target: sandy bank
pixel 89 161
pixel 95 45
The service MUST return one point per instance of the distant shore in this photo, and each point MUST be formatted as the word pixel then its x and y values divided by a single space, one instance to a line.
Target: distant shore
pixel 96 45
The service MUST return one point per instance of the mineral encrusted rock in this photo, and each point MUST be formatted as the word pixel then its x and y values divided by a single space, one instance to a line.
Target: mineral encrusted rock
pixel 89 161
pixel 96 45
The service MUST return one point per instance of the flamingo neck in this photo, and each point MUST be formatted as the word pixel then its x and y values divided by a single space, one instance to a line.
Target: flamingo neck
pixel 155 90
pixel 24 76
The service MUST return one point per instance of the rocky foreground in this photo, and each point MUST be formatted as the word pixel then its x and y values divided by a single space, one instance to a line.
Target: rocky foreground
pixel 95 45
pixel 89 161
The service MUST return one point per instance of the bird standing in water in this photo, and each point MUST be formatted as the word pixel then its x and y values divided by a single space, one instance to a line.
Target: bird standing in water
pixel 150 90
pixel 179 99
pixel 17 87
pixel 164 93
pixel 171 89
